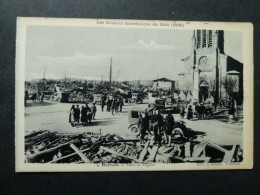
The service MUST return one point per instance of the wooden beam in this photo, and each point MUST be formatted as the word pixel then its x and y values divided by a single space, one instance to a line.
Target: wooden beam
pixel 144 152
pixel 67 156
pixel 116 153
pixel 82 156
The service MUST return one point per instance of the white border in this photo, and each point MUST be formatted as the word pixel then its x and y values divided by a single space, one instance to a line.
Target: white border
pixel 245 28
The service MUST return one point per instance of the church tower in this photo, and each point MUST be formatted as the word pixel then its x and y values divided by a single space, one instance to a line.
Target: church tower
pixel 206 47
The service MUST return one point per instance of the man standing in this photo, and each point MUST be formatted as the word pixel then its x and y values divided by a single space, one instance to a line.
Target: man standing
pixel 143 125
pixel 169 123
pixel 83 116
pixel 231 113
pixel 113 105
pixel 26 97
pixel 102 104
pixel 121 104
pixel 89 115
pixel 108 104
pixel 77 113
pixel 189 116
pixel 93 111
pixel 157 120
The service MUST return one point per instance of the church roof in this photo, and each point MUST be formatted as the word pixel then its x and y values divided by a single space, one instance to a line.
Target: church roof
pixel 163 80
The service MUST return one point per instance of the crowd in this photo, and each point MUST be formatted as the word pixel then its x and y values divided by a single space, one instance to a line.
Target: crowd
pixel 114 105
pixel 202 111
pixel 36 97
pixel 158 127
pixel 84 115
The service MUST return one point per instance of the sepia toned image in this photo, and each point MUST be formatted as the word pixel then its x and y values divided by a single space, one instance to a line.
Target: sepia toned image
pixel 125 95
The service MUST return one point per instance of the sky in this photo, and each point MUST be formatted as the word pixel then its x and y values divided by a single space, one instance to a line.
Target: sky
pixel 137 53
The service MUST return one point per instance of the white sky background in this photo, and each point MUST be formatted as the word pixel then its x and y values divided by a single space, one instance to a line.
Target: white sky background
pixel 139 54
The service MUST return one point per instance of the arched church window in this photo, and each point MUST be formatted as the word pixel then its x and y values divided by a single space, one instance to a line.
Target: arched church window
pixel 204 38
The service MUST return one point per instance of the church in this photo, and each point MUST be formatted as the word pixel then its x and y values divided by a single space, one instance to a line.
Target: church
pixel 208 66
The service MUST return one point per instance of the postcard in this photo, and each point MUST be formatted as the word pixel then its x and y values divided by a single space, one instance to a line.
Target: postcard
pixel 133 95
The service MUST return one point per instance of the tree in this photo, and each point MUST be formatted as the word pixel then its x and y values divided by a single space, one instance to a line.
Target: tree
pixel 177 91
pixel 187 88
pixel 230 84
pixel 213 90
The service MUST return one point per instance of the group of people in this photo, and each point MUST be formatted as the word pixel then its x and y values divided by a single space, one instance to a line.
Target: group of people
pixel 36 97
pixel 85 115
pixel 202 111
pixel 114 105
pixel 158 127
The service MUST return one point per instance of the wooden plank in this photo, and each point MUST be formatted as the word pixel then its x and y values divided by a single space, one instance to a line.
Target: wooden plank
pixel 199 149
pixel 67 156
pixel 230 154
pixel 218 147
pixel 187 149
pixel 153 153
pixel 33 157
pixel 82 156
pixel 144 152
pixel 116 153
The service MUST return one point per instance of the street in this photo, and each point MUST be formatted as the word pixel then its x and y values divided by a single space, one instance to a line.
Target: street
pixel 55 118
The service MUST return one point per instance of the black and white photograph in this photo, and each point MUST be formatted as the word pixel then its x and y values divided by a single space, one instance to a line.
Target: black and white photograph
pixel 126 95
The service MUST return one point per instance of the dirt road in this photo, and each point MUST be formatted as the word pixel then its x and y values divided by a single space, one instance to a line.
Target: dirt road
pixel 55 117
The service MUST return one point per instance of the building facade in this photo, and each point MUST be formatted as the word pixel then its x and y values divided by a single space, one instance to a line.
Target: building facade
pixel 208 60
pixel 163 84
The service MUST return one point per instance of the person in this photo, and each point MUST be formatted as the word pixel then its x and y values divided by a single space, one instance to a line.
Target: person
pixel 83 116
pixel 189 116
pixel 203 110
pixel 72 116
pixel 156 120
pixel 199 111
pixel 121 103
pixel 109 102
pixel 231 113
pixel 77 113
pixel 143 125
pixel 102 105
pixel 103 102
pixel 117 105
pixel 169 124
pixel 89 114
pixel 26 97
pixel 42 96
pixel 93 110
pixel 113 106
pixel 182 112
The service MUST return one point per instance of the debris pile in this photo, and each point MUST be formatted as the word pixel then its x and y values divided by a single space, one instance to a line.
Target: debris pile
pixel 46 147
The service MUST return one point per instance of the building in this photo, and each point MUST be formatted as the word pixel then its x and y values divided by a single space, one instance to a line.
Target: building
pixel 164 84
pixel 208 66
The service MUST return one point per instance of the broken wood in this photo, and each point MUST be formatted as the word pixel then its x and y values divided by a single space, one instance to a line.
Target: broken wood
pixel 68 156
pixel 153 154
pixel 34 157
pixel 198 149
pixel 116 153
pixel 144 152
pixel 230 154
pixel 217 147
pixel 82 156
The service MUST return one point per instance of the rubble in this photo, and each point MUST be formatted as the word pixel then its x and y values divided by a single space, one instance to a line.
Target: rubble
pixel 50 147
